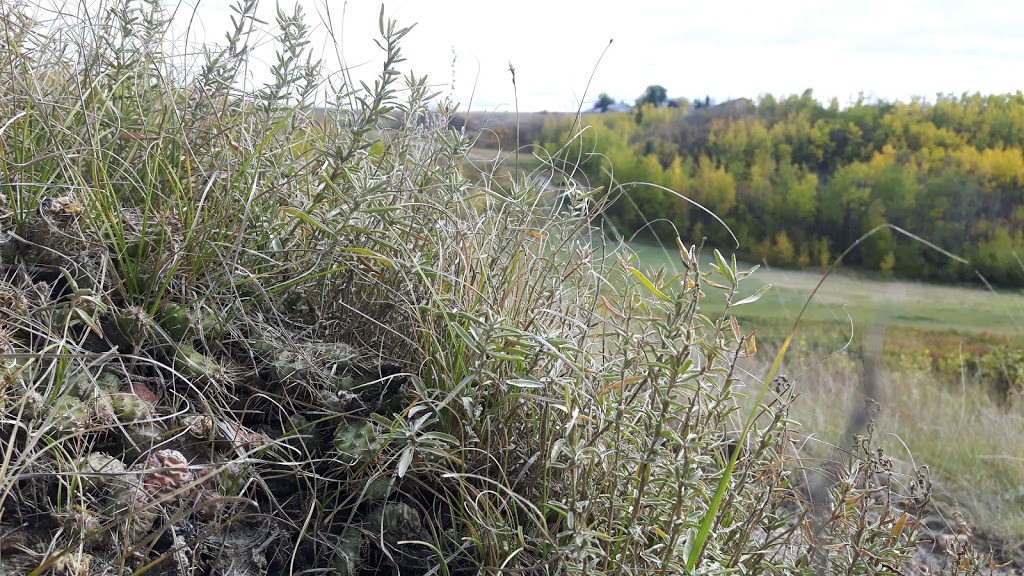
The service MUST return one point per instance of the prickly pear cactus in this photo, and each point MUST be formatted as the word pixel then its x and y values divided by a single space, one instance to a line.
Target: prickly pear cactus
pixel 377 489
pixel 356 441
pixel 175 320
pixel 198 366
pixel 108 382
pixel 324 363
pixel 398 520
pixel 103 409
pixel 136 519
pixel 129 408
pixel 348 552
pixel 128 328
pixel 397 526
pixel 70 413
pixel 99 470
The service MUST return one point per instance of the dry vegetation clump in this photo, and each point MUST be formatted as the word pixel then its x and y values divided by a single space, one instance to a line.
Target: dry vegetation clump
pixel 240 337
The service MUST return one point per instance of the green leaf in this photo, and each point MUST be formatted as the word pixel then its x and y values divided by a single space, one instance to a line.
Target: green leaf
pixel 405 461
pixel 684 254
pixel 382 420
pixel 524 383
pixel 421 421
pixel 753 297
pixel 746 273
pixel 304 216
pixel 381 209
pixel 441 436
pixel 723 268
pixel 306 278
pixel 650 285
pixel 88 321
pixel 72 284
pixel 507 357
pixel 469 340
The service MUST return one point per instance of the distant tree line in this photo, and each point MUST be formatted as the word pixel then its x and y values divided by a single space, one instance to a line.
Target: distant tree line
pixel 799 181
pixel 655 94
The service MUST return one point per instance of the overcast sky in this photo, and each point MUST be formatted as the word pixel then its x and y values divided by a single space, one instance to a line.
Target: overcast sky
pixel 891 49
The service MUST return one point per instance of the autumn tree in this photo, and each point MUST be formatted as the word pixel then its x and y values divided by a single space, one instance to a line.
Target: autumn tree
pixel 798 181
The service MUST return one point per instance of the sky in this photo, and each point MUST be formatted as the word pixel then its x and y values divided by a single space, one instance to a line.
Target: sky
pixel 889 49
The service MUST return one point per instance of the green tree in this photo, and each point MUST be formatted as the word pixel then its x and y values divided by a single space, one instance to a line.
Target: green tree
pixel 802 200
pixel 655 94
pixel 604 101
pixel 877 250
pixel 844 202
pixel 996 258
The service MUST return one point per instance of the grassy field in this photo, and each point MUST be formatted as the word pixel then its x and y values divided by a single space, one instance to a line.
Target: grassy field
pixel 492 130
pixel 497 135
pixel 917 316
pixel 499 163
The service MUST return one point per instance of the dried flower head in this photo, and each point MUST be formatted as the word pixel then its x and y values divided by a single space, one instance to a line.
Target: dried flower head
pixel 35 404
pixel 74 563
pixel 15 301
pixel 60 208
pixel 245 439
pixel 226 478
pixel 226 434
pixel 200 427
pixel 81 520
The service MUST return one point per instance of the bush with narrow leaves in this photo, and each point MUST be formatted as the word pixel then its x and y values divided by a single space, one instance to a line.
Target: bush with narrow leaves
pixel 313 345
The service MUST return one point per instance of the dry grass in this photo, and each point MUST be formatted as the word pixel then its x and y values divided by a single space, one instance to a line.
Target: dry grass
pixel 973 444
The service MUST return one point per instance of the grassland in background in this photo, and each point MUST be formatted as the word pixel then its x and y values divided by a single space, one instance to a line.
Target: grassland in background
pixel 915 314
